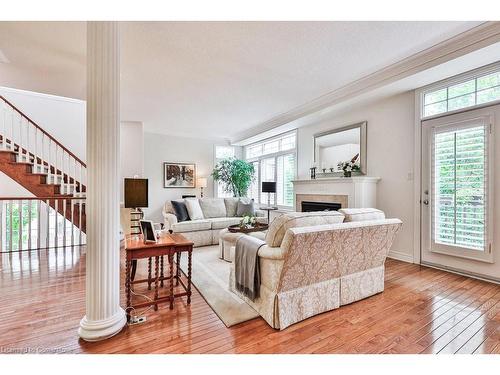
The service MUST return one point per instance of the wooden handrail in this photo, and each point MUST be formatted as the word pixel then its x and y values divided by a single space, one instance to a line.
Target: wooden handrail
pixel 40 198
pixel 43 131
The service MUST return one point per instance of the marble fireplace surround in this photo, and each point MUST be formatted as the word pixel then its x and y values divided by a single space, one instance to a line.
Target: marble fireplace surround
pixel 352 192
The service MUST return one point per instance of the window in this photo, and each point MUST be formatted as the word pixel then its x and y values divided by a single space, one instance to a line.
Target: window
pixel 223 152
pixel 459 186
pixel 471 92
pixel 267 173
pixel 284 186
pixel 274 160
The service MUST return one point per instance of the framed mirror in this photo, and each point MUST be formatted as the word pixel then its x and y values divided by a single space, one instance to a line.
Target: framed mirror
pixel 339 145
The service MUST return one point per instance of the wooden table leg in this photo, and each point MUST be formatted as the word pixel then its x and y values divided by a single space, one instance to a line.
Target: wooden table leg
pixel 149 273
pixel 127 288
pixel 189 276
pixel 178 268
pixel 171 279
pixel 134 269
pixel 161 271
pixel 156 280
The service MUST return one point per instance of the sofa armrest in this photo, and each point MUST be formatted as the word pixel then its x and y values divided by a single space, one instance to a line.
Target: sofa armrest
pixel 259 235
pixel 169 220
pixel 268 252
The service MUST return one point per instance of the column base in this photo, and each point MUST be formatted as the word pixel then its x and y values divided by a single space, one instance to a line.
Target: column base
pixel 98 330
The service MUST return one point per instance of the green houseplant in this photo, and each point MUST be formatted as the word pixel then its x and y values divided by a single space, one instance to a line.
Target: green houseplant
pixel 236 175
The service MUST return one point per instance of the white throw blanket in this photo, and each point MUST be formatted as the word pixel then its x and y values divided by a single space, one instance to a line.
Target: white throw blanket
pixel 246 266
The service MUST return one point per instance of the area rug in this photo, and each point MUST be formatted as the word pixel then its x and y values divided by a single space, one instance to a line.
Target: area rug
pixel 210 276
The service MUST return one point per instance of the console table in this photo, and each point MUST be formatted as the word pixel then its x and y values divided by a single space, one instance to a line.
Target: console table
pixel 172 246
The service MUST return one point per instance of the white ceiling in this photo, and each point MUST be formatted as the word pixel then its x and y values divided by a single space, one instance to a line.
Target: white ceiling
pixel 215 79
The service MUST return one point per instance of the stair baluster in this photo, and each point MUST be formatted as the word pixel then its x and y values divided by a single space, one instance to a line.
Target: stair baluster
pixel 37 161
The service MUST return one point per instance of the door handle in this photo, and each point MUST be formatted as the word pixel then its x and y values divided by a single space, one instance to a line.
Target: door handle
pixel 426 202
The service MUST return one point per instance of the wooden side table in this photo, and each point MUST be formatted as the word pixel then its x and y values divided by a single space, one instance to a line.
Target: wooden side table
pixel 172 246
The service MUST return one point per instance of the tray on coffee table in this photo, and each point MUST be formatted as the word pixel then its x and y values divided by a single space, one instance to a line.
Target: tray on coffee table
pixel 256 228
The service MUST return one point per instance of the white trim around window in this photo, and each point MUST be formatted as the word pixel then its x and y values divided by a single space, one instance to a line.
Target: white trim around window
pixel 280 152
pixel 419 117
pixel 472 75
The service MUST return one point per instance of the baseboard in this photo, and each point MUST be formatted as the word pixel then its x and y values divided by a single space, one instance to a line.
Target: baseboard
pixel 398 255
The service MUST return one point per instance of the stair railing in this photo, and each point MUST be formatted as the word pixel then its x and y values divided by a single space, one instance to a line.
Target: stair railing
pixel 29 223
pixel 34 145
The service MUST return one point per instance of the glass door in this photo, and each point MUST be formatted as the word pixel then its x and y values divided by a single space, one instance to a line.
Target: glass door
pixel 456 188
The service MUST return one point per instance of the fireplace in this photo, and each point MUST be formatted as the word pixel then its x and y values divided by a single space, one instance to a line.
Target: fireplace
pixel 308 206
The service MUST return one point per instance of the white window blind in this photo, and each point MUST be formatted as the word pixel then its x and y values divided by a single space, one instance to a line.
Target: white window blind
pixel 274 159
pixel 460 186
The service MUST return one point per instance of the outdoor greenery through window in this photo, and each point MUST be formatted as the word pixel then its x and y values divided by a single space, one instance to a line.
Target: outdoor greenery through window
pixel 19 219
pixel 475 91
pixel 460 187
pixel 274 160
pixel 223 152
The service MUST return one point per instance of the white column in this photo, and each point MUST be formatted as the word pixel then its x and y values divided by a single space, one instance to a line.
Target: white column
pixel 104 317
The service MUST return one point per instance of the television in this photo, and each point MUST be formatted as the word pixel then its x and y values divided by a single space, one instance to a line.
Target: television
pixel 136 192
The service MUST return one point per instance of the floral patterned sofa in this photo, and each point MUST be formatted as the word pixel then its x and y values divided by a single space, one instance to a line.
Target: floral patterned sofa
pixel 316 262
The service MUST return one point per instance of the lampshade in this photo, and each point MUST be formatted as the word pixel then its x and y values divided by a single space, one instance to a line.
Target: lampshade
pixel 268 187
pixel 201 182
pixel 136 192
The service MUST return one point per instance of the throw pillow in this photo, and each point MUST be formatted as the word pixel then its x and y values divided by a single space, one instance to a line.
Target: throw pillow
pixel 362 214
pixel 213 207
pixel 180 211
pixel 194 209
pixel 245 208
pixel 231 206
pixel 169 208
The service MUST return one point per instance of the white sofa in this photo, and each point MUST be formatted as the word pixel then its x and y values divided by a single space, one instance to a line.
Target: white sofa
pixel 315 262
pixel 218 213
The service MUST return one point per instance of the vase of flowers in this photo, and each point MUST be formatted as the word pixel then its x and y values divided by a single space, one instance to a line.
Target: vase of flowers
pixel 248 221
pixel 348 167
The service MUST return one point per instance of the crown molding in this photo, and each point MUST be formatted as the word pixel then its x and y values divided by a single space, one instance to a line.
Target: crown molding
pixel 471 40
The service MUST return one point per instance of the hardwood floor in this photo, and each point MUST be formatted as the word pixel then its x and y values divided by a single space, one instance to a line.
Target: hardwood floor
pixel 422 310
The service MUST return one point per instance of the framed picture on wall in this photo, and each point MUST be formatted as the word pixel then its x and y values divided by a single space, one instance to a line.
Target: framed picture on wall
pixel 179 175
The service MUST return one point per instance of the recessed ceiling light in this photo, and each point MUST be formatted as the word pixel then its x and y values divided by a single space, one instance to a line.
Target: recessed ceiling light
pixel 3 58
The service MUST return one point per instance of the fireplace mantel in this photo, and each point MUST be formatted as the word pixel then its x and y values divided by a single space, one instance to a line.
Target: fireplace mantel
pixel 357 191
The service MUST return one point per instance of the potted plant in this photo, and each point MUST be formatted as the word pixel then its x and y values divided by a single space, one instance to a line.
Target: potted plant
pixel 236 175
pixel 348 167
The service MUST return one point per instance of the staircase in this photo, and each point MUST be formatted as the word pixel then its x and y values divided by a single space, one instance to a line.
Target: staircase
pixel 42 165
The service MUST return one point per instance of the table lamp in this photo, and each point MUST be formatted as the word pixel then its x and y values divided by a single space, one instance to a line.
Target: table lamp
pixel 202 183
pixel 136 197
pixel 268 187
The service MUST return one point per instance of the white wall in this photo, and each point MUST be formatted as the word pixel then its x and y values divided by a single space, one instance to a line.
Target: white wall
pixel 389 153
pixel 63 118
pixel 10 188
pixel 131 151
pixel 159 148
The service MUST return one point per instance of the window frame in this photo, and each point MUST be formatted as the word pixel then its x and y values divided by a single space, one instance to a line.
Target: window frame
pixel 275 155
pixel 456 80
pixel 458 251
